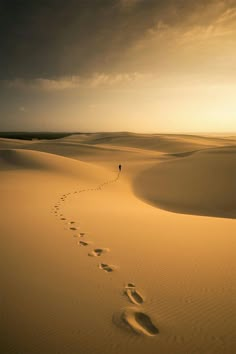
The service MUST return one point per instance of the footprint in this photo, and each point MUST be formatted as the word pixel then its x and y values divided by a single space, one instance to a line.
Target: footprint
pixel 63 218
pixel 130 285
pixel 106 267
pixel 83 243
pixel 73 228
pixel 139 322
pixel 134 295
pixel 97 252
pixel 81 234
pixel 71 222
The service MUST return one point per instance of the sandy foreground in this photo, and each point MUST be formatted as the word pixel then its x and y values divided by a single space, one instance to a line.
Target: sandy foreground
pixel 93 261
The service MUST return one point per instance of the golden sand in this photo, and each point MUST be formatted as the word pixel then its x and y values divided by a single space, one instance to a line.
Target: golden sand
pixel 97 261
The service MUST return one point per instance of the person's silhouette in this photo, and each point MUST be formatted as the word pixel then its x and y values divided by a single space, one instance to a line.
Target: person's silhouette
pixel 120 167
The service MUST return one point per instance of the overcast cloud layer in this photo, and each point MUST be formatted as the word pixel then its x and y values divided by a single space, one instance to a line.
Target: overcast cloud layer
pixel 58 38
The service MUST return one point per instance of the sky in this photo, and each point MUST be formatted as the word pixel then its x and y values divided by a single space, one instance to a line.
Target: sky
pixel 154 66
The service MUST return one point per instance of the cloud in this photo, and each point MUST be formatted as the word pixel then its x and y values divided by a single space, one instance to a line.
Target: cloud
pixel 66 38
pixel 129 3
pixel 41 84
pixel 228 16
pixel 48 39
pixel 75 82
pixel 56 45
pixel 202 45
pixel 222 26
pixel 114 79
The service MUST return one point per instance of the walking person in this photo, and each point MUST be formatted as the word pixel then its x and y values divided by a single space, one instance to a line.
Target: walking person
pixel 120 168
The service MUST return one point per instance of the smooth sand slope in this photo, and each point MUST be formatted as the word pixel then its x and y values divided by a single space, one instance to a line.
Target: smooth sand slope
pixel 201 183
pixel 92 263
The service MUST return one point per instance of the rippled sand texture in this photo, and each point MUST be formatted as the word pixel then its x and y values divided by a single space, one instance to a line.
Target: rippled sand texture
pixel 97 261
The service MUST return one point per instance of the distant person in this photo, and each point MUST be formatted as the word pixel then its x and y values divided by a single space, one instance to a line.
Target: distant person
pixel 120 167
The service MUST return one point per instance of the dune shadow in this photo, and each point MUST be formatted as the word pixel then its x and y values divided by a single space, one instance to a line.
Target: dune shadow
pixel 182 154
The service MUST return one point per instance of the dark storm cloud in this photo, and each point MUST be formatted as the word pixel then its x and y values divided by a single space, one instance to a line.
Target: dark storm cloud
pixel 56 38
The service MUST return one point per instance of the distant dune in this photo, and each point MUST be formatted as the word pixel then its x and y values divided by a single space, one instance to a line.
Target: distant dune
pixel 160 142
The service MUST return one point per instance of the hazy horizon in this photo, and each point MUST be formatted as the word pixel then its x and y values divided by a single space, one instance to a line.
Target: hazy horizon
pixel 119 132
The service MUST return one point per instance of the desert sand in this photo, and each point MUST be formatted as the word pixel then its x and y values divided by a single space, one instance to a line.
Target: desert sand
pixel 97 261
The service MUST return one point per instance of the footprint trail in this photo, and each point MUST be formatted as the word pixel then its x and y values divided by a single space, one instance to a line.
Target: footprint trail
pixel 130 318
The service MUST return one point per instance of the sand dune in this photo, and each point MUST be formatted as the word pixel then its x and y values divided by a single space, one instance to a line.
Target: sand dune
pixel 90 144
pixel 21 159
pixel 201 184
pixel 160 142
pixel 92 262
